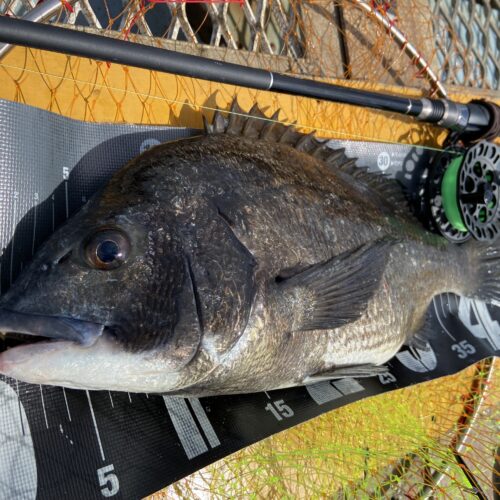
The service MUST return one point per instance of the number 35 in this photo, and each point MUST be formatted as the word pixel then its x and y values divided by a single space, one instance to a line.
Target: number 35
pixel 463 349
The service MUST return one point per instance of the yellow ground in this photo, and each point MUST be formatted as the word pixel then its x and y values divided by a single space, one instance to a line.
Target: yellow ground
pixel 102 92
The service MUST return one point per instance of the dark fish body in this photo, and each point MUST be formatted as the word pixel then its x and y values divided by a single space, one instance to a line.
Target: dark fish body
pixel 253 258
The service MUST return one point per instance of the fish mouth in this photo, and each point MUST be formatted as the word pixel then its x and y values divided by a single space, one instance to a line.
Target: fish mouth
pixel 20 328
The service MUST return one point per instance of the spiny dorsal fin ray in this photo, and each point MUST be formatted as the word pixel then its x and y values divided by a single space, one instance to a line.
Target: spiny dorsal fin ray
pixel 256 125
pixel 272 128
pixel 237 120
pixel 307 143
pixel 388 188
pixel 322 151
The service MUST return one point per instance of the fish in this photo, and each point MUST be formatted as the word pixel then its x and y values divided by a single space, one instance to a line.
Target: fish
pixel 248 258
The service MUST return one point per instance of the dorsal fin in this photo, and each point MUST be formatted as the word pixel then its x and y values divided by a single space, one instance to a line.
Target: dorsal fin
pixel 256 125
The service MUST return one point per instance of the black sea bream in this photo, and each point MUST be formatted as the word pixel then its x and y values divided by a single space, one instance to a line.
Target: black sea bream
pixel 250 258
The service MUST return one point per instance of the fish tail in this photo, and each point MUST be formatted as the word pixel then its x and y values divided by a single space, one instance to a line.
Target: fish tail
pixel 483 280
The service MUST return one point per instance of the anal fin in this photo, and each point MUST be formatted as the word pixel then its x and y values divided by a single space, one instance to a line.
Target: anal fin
pixel 420 339
pixel 359 371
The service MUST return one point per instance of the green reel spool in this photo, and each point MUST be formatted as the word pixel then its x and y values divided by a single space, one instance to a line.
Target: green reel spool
pixel 465 193
pixel 449 193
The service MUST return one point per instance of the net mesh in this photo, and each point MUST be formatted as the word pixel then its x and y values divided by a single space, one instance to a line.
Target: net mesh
pixel 460 41
pixel 438 439
pixel 401 445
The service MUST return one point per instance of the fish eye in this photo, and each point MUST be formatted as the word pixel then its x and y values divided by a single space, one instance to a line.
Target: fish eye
pixel 106 249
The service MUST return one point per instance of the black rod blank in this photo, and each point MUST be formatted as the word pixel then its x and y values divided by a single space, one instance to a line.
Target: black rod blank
pixel 53 38
pixel 77 43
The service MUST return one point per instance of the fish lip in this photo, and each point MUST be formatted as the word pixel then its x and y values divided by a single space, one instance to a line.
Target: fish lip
pixel 75 330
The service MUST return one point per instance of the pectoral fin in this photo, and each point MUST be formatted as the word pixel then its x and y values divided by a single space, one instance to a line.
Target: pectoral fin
pixel 336 292
pixel 360 371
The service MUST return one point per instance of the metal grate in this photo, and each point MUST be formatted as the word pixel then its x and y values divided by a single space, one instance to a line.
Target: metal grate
pixel 468 42
pixel 258 26
pixel 325 38
pixel 271 27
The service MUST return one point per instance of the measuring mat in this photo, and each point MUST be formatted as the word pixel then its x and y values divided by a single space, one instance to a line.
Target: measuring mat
pixel 57 442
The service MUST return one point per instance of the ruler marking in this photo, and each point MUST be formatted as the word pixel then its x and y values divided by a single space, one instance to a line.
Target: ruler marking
pixel 11 259
pixel 67 203
pixel 66 401
pixel 12 242
pixel 443 308
pixel 17 454
pixel 129 397
pixel 34 233
pixel 43 406
pixel 191 439
pixel 19 407
pixel 53 214
pixel 95 427
pixel 268 397
pixel 205 423
pixel 487 323
pixel 448 300
pixel 438 316
pixel 348 386
pixel 111 399
pixel 323 392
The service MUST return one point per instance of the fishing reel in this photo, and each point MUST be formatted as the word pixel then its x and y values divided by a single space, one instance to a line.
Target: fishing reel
pixel 464 193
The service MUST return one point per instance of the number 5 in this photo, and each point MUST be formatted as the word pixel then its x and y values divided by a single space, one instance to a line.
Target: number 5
pixel 108 481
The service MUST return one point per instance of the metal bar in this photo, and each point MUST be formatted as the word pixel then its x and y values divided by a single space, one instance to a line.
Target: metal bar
pixel 81 44
pixel 405 45
pixel 473 117
pixel 40 13
pixel 344 49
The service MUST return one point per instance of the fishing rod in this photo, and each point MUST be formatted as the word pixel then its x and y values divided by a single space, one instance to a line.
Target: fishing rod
pixel 463 187
pixel 475 119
